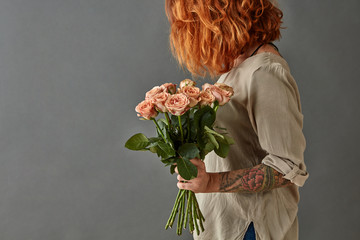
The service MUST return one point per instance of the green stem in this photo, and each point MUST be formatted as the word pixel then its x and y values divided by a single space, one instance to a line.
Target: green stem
pixel 173 210
pixel 158 127
pixel 179 227
pixel 188 196
pixel 188 127
pixel 198 213
pixel 183 210
pixel 197 206
pixel 191 219
pixel 195 218
pixel 173 215
pixel 181 130
pixel 167 118
pixel 201 224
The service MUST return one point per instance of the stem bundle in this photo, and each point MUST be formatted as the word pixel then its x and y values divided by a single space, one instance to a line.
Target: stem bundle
pixel 190 214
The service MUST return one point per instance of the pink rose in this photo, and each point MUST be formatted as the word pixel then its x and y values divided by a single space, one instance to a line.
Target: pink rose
pixel 193 94
pixel 177 104
pixel 155 90
pixel 221 95
pixel 206 86
pixel 146 109
pixel 229 90
pixel 187 82
pixel 159 101
pixel 206 98
pixel 169 88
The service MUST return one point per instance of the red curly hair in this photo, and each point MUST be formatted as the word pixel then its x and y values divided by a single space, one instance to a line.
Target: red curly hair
pixel 208 35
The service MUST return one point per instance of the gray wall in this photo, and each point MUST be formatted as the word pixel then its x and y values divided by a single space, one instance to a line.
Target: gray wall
pixel 71 73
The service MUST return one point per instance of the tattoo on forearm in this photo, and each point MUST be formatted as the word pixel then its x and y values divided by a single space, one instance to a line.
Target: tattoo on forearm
pixel 257 179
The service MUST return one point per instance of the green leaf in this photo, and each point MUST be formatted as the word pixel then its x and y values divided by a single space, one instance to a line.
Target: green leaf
pixel 165 130
pixel 154 139
pixel 204 117
pixel 212 140
pixel 160 153
pixel 168 150
pixel 221 128
pixel 192 131
pixel 188 151
pixel 137 142
pixel 168 161
pixel 162 126
pixel 187 169
pixel 229 140
pixel 162 121
pixel 209 146
pixel 223 149
pixel 153 149
pixel 175 120
pixel 153 142
pixel 208 130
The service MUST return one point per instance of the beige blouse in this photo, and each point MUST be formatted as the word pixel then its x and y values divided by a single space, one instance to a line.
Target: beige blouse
pixel 264 117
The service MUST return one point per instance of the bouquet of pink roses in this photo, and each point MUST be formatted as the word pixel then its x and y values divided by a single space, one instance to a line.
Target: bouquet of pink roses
pixel 186 132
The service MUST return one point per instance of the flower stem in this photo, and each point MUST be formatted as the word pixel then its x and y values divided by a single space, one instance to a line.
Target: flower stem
pixel 197 206
pixel 181 129
pixel 188 195
pixel 158 127
pixel 195 217
pixel 173 210
pixel 188 127
pixel 176 206
pixel 198 213
pixel 179 228
pixel 183 210
pixel 167 118
pixel 191 219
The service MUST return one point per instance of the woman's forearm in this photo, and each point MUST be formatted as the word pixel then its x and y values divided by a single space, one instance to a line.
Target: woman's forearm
pixel 256 179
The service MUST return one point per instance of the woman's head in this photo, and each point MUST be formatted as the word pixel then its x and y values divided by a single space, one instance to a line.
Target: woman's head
pixel 208 35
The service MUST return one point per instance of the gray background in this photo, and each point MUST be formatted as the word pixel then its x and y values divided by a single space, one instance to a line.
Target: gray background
pixel 71 73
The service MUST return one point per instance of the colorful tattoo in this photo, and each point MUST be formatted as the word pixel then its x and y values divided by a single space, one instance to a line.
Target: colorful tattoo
pixel 257 179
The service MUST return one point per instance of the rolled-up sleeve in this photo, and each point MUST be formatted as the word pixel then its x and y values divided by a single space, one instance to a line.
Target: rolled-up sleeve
pixel 275 113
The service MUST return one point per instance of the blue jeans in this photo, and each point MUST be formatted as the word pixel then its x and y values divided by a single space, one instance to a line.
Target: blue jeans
pixel 250 233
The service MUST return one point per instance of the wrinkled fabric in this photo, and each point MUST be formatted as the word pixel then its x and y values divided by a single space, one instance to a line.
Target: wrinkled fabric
pixel 264 117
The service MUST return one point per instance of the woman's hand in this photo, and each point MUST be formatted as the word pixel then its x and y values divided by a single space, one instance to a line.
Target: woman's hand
pixel 203 183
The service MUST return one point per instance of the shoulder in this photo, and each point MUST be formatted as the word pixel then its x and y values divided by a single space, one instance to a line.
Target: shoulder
pixel 262 62
pixel 266 71
pixel 272 78
pixel 270 62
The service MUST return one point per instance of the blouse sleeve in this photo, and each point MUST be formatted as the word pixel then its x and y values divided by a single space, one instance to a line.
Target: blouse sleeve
pixel 275 113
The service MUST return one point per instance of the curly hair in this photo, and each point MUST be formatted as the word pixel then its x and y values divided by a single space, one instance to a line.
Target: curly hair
pixel 207 36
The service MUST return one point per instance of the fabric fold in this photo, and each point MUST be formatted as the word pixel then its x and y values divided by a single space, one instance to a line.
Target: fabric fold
pixel 290 171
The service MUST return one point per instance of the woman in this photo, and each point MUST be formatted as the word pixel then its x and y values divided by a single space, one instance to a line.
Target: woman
pixel 253 191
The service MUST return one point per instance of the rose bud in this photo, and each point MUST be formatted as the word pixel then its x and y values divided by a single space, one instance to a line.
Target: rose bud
pixel 159 101
pixel 177 104
pixel 155 90
pixel 187 82
pixel 206 98
pixel 146 109
pixel 169 88
pixel 193 94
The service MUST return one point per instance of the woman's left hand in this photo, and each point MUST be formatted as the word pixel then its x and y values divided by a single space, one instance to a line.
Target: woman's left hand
pixel 203 183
